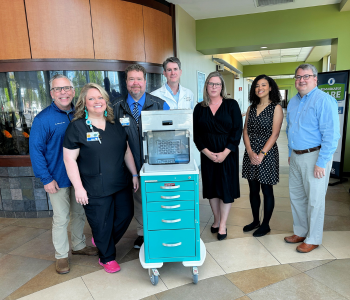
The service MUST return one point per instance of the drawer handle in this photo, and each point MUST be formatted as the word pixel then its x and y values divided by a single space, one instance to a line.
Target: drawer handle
pixel 170 207
pixel 170 197
pixel 172 187
pixel 172 245
pixel 171 221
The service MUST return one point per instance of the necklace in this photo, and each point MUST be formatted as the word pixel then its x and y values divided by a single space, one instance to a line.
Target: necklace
pixel 215 103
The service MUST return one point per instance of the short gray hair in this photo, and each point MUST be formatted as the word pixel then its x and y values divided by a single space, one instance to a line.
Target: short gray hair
pixel 171 60
pixel 57 76
pixel 307 67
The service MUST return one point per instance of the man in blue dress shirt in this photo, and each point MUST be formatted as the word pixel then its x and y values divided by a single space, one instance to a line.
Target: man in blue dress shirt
pixel 313 133
pixel 127 111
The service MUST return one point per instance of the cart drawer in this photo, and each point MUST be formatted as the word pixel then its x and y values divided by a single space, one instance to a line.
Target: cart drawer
pixel 170 196
pixel 170 205
pixel 169 186
pixel 170 219
pixel 172 243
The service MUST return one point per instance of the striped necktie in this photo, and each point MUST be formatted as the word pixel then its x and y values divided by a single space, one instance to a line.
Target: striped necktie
pixel 135 112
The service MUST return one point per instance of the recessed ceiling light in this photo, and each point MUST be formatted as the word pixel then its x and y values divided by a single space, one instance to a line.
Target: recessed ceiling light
pixel 263 47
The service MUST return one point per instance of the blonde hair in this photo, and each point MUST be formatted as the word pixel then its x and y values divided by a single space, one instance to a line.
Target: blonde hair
pixel 81 104
pixel 206 98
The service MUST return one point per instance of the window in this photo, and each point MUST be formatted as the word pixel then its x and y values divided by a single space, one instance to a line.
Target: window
pixel 24 94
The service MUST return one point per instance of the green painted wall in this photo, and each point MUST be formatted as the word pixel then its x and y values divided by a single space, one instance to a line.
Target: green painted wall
pixel 275 69
pixel 311 26
pixel 287 84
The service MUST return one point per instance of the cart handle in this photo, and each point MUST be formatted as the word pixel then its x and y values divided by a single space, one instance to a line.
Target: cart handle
pixel 172 187
pixel 170 197
pixel 170 207
pixel 171 221
pixel 172 245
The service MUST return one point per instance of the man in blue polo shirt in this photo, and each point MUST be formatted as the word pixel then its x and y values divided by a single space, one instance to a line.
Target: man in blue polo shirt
pixel 127 111
pixel 46 154
pixel 313 133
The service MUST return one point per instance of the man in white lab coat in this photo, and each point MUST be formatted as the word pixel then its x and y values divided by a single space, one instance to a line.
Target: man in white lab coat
pixel 175 95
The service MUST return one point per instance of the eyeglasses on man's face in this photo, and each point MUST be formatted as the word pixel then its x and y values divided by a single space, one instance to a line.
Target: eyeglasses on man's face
pixel 305 77
pixel 214 84
pixel 60 88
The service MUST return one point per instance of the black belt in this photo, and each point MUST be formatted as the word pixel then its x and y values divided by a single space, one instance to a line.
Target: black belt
pixel 307 150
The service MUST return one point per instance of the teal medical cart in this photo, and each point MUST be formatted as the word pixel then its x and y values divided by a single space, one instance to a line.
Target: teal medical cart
pixel 170 197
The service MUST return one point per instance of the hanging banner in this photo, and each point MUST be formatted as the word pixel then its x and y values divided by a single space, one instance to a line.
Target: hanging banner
pixel 336 84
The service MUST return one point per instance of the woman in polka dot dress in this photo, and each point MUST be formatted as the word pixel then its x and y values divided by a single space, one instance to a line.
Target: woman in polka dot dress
pixel 261 162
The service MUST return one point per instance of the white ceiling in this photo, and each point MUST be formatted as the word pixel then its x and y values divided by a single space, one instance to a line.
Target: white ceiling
pixel 206 9
pixel 272 56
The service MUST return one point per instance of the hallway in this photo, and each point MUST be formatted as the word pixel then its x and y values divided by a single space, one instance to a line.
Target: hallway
pixel 240 267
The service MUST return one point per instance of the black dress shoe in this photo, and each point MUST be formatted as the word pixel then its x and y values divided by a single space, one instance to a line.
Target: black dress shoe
pixel 251 227
pixel 214 229
pixel 222 236
pixel 262 230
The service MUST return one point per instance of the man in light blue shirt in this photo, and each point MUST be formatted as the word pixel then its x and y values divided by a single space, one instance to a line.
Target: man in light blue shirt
pixel 313 132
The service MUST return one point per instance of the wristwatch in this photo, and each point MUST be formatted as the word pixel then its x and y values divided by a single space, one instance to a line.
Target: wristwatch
pixel 263 153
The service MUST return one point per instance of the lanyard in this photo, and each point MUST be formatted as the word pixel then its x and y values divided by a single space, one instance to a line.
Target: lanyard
pixel 88 123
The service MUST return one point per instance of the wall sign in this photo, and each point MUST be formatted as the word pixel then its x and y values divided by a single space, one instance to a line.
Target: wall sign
pixel 336 84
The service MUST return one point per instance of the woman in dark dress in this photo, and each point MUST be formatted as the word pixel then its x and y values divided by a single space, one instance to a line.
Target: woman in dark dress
pixel 217 125
pixel 261 162
pixel 97 155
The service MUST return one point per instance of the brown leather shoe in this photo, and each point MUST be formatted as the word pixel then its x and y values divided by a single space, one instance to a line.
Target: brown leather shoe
pixel 62 266
pixel 294 239
pixel 305 248
pixel 91 251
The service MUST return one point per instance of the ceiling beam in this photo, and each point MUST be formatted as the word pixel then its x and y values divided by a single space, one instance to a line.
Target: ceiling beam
pixel 344 5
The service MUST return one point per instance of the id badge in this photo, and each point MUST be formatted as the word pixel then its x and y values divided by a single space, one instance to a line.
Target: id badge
pixel 92 136
pixel 124 121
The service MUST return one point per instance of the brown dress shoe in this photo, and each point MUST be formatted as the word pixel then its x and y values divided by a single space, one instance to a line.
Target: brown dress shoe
pixel 91 251
pixel 62 266
pixel 305 248
pixel 294 239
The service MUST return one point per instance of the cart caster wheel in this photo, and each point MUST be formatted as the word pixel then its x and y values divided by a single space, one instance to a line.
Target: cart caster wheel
pixel 195 275
pixel 154 276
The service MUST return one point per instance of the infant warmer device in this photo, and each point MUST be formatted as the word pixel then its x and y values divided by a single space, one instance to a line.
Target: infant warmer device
pixel 169 188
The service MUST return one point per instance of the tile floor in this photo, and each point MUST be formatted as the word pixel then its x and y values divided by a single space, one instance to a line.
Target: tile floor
pixel 240 267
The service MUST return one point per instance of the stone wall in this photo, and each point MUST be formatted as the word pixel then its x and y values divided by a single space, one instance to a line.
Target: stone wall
pixel 22 195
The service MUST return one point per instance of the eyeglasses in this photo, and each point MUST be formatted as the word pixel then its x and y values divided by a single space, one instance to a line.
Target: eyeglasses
pixel 213 84
pixel 60 88
pixel 306 77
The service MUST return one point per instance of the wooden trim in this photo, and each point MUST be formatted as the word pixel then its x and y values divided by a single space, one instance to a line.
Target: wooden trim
pixel 15 161
pixel 21 65
pixel 164 7
pixel 172 14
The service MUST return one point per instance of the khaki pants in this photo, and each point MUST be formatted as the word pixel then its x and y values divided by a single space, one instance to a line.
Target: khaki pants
pixel 307 196
pixel 64 208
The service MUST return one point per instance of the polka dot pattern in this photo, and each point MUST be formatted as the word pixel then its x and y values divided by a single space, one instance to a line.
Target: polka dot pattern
pixel 259 131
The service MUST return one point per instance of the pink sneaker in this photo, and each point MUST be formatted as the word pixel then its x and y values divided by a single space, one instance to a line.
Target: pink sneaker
pixel 93 241
pixel 111 266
